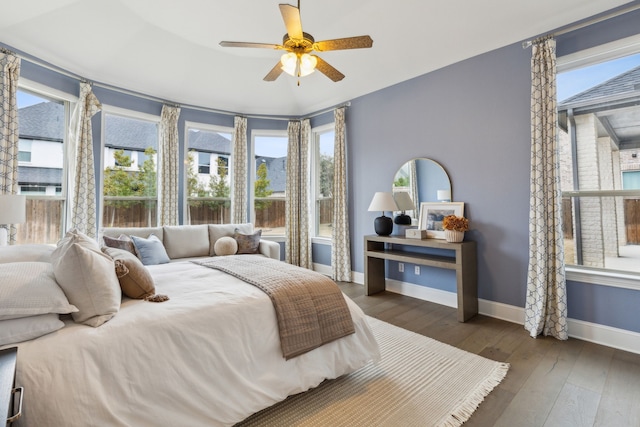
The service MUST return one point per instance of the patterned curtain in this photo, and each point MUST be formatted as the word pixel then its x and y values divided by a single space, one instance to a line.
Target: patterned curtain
pixel 546 304
pixel 169 165
pixel 297 243
pixel 305 186
pixel 340 249
pixel 292 190
pixel 239 178
pixel 82 185
pixel 9 73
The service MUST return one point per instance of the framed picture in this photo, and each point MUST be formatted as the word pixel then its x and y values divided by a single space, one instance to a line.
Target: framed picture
pixel 432 214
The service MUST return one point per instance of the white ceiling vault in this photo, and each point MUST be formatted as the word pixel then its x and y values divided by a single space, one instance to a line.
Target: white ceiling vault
pixel 169 49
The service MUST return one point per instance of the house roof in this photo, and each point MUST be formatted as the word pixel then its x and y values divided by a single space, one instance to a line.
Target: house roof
pixel 616 105
pixel 276 172
pixel 37 175
pixel 210 142
pixel 42 121
pixel 130 134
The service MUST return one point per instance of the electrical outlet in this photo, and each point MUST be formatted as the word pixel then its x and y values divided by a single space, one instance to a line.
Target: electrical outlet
pixel 417 270
pixel 401 267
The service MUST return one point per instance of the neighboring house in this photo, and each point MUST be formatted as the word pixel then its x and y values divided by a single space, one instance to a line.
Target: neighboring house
pixel 602 125
pixel 41 156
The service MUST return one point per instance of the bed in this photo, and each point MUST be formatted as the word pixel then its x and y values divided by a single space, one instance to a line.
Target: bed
pixel 209 356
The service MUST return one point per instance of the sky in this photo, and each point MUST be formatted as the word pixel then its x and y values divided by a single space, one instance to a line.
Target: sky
pixel 575 81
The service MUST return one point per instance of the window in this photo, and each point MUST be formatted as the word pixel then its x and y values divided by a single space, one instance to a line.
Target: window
pixel 269 181
pixel 129 188
pixel 322 170
pixel 208 189
pixel 599 129
pixel 24 151
pixel 204 162
pixel 41 165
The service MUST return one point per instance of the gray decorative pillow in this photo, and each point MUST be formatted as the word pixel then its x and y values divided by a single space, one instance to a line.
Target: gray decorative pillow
pixel 122 242
pixel 247 243
pixel 150 251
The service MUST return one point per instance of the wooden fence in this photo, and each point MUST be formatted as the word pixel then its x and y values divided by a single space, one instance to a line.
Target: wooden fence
pixel 632 220
pixel 44 221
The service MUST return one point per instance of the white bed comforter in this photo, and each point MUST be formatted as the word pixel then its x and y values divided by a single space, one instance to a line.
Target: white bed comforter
pixel 209 356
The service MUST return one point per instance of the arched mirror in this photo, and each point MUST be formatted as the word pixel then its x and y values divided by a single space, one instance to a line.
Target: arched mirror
pixel 422 180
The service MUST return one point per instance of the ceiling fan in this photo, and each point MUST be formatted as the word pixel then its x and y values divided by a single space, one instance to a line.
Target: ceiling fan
pixel 298 60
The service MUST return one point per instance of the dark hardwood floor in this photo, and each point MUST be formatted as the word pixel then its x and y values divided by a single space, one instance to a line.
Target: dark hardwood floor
pixel 550 382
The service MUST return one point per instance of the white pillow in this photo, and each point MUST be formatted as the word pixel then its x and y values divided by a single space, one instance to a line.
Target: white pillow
pixel 30 288
pixel 88 278
pixel 225 246
pixel 24 253
pixel 17 330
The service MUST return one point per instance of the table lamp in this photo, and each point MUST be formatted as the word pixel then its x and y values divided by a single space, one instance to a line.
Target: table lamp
pixel 383 202
pixel 12 211
pixel 404 202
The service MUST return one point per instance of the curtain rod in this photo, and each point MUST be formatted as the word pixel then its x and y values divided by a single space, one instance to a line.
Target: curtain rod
pixel 593 21
pixel 59 70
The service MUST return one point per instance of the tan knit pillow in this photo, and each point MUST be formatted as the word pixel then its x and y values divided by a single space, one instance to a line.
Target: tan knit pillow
pixel 135 280
pixel 225 246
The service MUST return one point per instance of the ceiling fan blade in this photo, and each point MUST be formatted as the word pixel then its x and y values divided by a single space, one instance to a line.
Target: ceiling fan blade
pixel 346 43
pixel 328 70
pixel 246 44
pixel 274 73
pixel 291 17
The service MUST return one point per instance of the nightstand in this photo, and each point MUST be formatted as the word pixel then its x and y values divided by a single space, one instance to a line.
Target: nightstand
pixel 8 359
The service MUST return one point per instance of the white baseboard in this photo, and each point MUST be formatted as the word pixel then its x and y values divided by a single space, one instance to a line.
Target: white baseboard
pixel 323 269
pixel 599 334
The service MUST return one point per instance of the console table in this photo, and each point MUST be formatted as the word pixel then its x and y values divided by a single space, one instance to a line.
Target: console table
pixel 463 260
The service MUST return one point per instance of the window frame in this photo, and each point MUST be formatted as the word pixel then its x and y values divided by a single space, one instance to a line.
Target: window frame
pixel 207 128
pixel 256 133
pixel 588 57
pixel 69 102
pixel 129 114
pixel 316 132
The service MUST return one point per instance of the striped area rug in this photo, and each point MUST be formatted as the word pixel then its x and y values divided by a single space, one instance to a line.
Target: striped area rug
pixel 418 382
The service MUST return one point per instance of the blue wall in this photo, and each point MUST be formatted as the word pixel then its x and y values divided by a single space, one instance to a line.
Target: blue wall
pixel 473 118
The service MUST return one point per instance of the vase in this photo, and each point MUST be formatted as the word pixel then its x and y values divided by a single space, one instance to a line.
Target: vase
pixel 454 236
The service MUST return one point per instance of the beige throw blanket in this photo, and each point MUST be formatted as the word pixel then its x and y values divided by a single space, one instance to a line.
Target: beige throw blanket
pixel 310 307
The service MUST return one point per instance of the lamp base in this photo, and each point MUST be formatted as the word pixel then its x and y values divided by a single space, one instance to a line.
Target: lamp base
pixel 402 219
pixel 383 225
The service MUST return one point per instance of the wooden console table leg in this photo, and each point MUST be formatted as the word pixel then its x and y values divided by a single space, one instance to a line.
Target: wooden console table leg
pixel 467 282
pixel 374 270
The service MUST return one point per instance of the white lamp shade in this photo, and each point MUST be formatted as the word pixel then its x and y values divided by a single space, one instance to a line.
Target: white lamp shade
pixel 403 200
pixel 12 209
pixel 383 202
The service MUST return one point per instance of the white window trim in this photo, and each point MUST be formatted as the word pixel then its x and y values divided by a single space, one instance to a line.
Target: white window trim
pixel 207 128
pixel 252 172
pixel 69 101
pixel 600 53
pixel 315 138
pixel 583 58
pixel 129 114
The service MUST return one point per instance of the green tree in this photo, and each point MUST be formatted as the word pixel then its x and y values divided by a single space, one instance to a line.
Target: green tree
pixel 326 175
pixel 402 181
pixel 261 187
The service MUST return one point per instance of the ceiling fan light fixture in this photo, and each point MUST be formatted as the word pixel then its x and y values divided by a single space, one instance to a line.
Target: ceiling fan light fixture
pixel 289 63
pixel 307 64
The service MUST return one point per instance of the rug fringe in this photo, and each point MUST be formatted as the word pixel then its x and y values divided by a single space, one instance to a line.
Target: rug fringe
pixel 466 408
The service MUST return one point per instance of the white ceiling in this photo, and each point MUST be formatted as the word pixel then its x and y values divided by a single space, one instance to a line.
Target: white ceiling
pixel 169 48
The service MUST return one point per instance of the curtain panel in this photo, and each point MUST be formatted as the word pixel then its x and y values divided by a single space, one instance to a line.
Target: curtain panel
pixel 340 249
pixel 9 131
pixel 546 302
pixel 298 244
pixel 239 167
pixel 82 184
pixel 169 165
